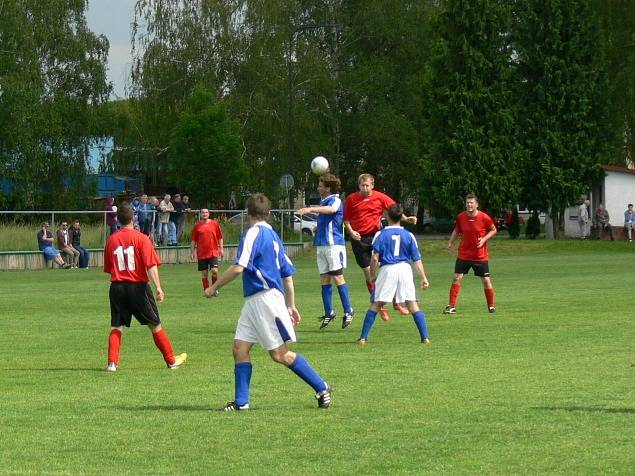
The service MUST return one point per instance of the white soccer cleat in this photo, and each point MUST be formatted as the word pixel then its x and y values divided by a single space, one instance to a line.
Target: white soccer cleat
pixel 112 367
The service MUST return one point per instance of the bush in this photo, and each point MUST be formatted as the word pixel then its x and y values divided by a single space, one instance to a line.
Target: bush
pixel 532 231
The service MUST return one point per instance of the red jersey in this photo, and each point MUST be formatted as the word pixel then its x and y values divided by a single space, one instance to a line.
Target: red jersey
pixel 128 255
pixel 471 229
pixel 365 213
pixel 207 237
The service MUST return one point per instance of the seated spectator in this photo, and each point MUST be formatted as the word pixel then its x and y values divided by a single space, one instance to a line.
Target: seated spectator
pixel 45 244
pixel 76 236
pixel 602 224
pixel 66 247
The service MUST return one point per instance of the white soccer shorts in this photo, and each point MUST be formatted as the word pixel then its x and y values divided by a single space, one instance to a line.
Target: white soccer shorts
pixel 330 258
pixel 265 319
pixel 395 281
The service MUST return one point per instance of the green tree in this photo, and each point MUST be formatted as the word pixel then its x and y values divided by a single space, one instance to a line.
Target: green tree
pixel 52 79
pixel 562 91
pixel 205 153
pixel 470 122
pixel 514 226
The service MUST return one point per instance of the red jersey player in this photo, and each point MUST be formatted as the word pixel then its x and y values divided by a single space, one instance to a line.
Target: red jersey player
pixel 476 228
pixel 207 239
pixel 131 260
pixel 363 212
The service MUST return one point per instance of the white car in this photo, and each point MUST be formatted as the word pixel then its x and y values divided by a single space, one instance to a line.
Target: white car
pixel 307 224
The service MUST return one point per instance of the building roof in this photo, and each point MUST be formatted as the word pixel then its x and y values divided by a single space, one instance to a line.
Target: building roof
pixel 618 168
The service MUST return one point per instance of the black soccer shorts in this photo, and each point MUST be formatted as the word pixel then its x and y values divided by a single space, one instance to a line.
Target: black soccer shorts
pixel 209 263
pixel 363 250
pixel 481 268
pixel 132 299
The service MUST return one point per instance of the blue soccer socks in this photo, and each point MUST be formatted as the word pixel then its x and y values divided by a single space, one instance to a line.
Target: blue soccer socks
pixel 302 369
pixel 369 320
pixel 327 299
pixel 342 289
pixel 242 375
pixel 420 320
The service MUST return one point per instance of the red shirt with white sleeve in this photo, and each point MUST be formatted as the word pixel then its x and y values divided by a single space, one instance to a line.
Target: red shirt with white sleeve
pixel 207 237
pixel 128 255
pixel 471 229
pixel 365 213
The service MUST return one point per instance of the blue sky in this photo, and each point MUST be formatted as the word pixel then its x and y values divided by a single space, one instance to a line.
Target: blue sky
pixel 112 18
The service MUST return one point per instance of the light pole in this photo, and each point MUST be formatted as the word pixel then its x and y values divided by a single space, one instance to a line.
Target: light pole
pixel 290 90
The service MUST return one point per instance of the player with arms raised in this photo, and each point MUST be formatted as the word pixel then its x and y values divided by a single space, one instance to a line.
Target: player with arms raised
pixel 475 228
pixel 330 248
pixel 394 249
pixel 269 312
pixel 131 261
pixel 207 240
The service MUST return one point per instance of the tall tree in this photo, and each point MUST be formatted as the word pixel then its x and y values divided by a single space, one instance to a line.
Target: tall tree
pixel 562 89
pixel 52 78
pixel 470 134
pixel 617 21
pixel 206 151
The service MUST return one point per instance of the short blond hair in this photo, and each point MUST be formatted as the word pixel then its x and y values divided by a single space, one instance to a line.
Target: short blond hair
pixel 364 177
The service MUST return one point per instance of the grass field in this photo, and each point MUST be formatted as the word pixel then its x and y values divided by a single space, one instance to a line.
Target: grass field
pixel 544 386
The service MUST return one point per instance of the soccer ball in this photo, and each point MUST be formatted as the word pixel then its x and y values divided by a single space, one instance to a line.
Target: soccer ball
pixel 319 165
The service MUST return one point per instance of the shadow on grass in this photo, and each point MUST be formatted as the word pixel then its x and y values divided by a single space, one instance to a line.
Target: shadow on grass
pixel 588 409
pixel 54 369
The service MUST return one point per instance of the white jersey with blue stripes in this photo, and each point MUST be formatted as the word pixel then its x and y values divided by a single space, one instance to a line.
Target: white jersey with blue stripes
pixel 394 244
pixel 330 229
pixel 262 254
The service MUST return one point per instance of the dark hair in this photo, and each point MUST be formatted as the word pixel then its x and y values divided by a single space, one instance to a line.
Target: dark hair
pixel 630 204
pixel 125 214
pixel 395 212
pixel 470 196
pixel 331 182
pixel 258 206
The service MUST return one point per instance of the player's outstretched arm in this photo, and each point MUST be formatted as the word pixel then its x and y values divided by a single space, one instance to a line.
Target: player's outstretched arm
pixel 409 219
pixel 227 277
pixel 153 274
pixel 452 238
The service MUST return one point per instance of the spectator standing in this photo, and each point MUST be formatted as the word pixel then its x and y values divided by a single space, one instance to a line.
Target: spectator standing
pixel 363 212
pixel 111 216
pixel 76 235
pixel 156 226
pixel 66 247
pixel 131 261
pixel 135 205
pixel 187 210
pixel 207 241
pixel 602 224
pixel 269 312
pixel 45 244
pixel 583 219
pixel 177 219
pixel 145 215
pixel 629 221
pixel 165 207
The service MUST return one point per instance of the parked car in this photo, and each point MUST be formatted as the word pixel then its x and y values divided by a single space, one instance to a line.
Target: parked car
pixel 437 224
pixel 307 224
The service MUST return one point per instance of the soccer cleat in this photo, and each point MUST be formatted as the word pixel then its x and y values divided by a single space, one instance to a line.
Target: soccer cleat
pixel 361 341
pixel 491 309
pixel 66 266
pixel 216 293
pixel 403 310
pixel 348 318
pixel 234 407
pixel 425 340
pixel 112 367
pixel 449 310
pixel 179 360
pixel 383 313
pixel 324 397
pixel 326 320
